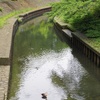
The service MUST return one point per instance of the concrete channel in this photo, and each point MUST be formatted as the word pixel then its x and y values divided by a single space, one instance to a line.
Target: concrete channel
pixel 7 34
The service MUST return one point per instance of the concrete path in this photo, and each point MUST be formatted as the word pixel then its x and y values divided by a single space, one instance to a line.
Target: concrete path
pixel 4 77
pixel 5 47
pixel 5 41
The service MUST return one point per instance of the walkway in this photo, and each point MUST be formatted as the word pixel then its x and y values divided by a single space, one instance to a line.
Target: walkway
pixel 5 47
pixel 4 77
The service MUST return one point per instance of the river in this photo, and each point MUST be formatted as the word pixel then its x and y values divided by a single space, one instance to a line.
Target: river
pixel 42 63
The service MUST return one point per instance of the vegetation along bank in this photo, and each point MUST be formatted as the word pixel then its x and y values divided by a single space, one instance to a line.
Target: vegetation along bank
pixel 82 16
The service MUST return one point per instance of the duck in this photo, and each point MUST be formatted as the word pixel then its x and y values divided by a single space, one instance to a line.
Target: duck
pixel 44 96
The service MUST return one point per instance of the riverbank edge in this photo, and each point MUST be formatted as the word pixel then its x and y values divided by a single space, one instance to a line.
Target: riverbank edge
pixel 8 33
pixel 78 40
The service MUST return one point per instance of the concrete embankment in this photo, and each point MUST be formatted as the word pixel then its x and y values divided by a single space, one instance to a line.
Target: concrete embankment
pixel 79 41
pixel 5 48
pixel 7 34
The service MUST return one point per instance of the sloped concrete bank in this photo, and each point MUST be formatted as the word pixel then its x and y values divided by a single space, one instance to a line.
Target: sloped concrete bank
pixel 80 41
pixel 5 52
pixel 7 34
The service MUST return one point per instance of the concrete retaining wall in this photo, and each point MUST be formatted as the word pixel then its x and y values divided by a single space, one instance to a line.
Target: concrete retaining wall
pixel 79 41
pixel 85 48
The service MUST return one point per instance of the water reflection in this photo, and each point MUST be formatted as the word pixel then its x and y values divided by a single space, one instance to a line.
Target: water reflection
pixel 52 72
pixel 69 76
pixel 30 41
pixel 43 64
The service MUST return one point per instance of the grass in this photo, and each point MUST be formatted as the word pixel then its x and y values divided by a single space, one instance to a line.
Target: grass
pixel 95 42
pixel 83 16
pixel 3 19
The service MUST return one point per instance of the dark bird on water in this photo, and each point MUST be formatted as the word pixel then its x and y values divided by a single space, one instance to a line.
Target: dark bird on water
pixel 44 96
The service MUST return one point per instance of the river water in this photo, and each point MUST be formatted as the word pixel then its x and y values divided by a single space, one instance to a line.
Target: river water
pixel 42 63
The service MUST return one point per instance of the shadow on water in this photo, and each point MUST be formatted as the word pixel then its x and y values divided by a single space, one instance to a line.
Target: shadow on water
pixel 79 83
pixel 89 84
pixel 42 63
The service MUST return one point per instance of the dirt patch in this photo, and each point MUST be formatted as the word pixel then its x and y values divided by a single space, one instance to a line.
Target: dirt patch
pixel 5 9
pixel 8 5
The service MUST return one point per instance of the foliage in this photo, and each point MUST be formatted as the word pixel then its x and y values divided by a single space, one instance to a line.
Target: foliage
pixel 95 43
pixel 19 19
pixel 82 14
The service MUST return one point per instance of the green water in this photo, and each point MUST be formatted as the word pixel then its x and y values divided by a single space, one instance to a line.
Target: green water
pixel 44 64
